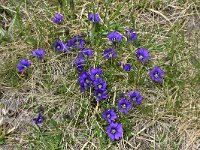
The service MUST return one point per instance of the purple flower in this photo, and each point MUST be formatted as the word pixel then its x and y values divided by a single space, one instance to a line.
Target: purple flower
pixel 131 35
pixel 91 16
pixel 58 18
pixel 124 105
pixel 109 53
pixel 115 131
pixel 156 74
pixel 39 119
pixel 59 46
pixel 127 67
pixel 80 68
pixel 110 115
pixel 114 36
pixel 142 54
pixel 85 52
pixel 20 67
pixel 23 64
pixel 94 17
pixel 135 96
pixel 76 42
pixel 95 73
pixel 79 63
pixel 100 94
pixel 84 81
pixel 99 84
pixel 39 53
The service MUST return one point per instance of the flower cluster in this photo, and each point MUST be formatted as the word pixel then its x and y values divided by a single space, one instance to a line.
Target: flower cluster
pixel 23 64
pixel 58 18
pixel 93 78
pixel 94 17
pixel 39 119
pixel 114 129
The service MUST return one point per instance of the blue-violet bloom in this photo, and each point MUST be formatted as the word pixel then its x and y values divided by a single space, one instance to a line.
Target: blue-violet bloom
pixel 114 36
pixel 156 74
pixel 23 64
pixel 84 81
pixel 124 105
pixel 100 94
pixel 39 53
pixel 94 17
pixel 109 53
pixel 79 63
pixel 110 115
pixel 59 46
pixel 115 131
pixel 131 35
pixel 58 18
pixel 85 52
pixel 76 42
pixel 142 54
pixel 95 73
pixel 135 96
pixel 39 119
pixel 127 67
pixel 99 84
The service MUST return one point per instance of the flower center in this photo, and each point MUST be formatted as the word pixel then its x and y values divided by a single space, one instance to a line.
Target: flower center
pixel 87 80
pixel 113 131
pixel 76 43
pixel 123 106
pixel 96 75
pixel 110 55
pixel 108 116
pixel 140 57
pixel 100 86
pixel 58 46
pixel 99 94
pixel 156 75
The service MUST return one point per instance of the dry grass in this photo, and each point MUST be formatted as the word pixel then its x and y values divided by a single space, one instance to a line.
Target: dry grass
pixel 167 119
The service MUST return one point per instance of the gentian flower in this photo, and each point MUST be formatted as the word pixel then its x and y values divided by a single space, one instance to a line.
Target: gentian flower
pixel 39 119
pixel 127 67
pixel 79 63
pixel 58 18
pixel 131 35
pixel 85 52
pixel 100 94
pixel 20 67
pixel 95 73
pixel 110 115
pixel 142 54
pixel 156 74
pixel 76 42
pixel 109 53
pixel 114 36
pixel 84 81
pixel 80 68
pixel 99 84
pixel 135 96
pixel 94 17
pixel 114 131
pixel 124 105
pixel 59 46
pixel 39 53
pixel 23 64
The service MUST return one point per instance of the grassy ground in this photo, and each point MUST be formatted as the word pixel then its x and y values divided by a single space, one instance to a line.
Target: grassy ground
pixel 167 119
